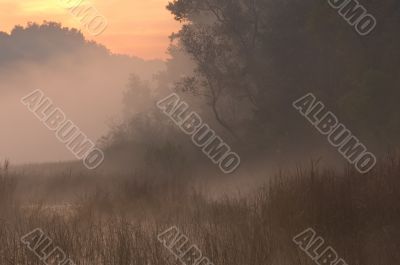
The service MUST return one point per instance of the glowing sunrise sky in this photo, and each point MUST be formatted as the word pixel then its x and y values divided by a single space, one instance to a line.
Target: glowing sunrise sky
pixel 135 27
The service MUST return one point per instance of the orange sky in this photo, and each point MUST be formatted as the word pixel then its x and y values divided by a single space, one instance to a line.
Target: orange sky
pixel 136 27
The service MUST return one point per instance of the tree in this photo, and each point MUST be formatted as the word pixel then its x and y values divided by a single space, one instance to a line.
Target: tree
pixel 260 55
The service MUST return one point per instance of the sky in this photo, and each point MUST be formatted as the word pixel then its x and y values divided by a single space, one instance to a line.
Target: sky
pixel 135 27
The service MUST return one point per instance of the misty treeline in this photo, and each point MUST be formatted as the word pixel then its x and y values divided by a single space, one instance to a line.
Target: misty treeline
pixel 241 64
pixel 82 77
pixel 39 42
pixel 50 42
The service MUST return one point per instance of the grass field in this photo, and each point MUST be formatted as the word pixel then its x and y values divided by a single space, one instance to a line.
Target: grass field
pixel 106 220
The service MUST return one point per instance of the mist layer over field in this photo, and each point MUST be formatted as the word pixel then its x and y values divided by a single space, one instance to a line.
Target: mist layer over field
pixel 305 105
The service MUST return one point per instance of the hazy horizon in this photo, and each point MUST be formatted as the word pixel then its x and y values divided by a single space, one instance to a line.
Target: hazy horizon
pixel 202 132
pixel 83 79
pixel 134 28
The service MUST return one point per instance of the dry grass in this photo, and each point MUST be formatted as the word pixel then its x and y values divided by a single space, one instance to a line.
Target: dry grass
pixel 116 222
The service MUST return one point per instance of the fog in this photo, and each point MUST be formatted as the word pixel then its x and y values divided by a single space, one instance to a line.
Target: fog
pixel 83 79
pixel 268 117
